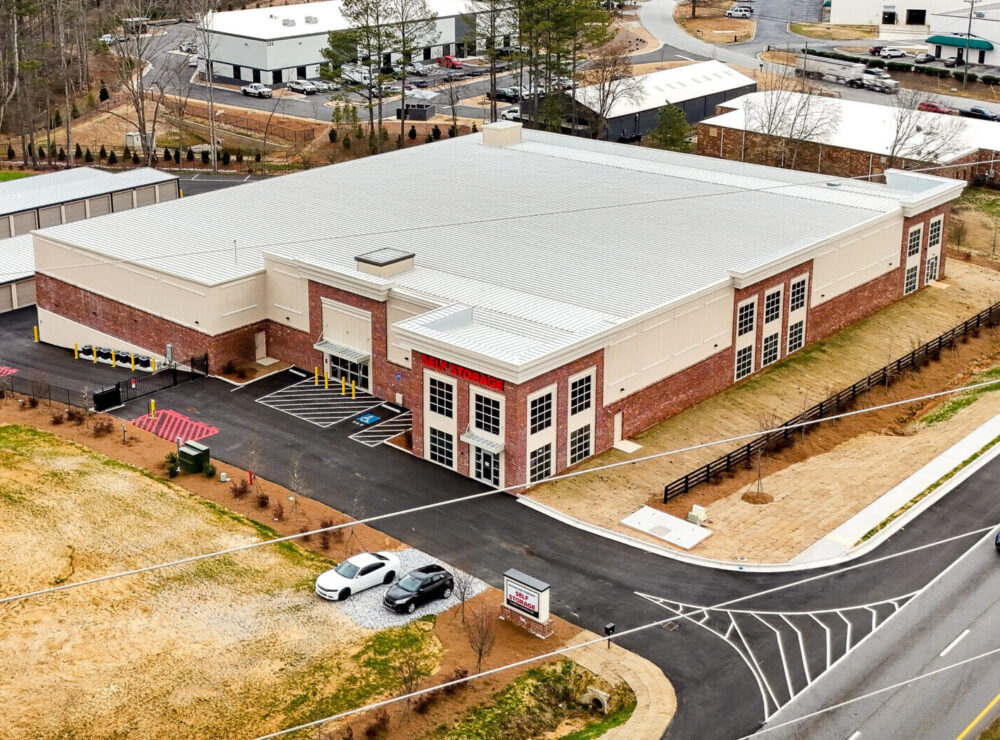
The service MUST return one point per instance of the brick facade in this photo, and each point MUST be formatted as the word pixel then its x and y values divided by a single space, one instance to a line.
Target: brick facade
pixel 757 148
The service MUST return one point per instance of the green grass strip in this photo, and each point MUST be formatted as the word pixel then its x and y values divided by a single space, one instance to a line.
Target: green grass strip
pixel 599 727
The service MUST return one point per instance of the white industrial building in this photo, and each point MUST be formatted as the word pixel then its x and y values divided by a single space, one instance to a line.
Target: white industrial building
pixel 894 18
pixel 950 33
pixel 584 290
pixel 283 43
pixel 60 197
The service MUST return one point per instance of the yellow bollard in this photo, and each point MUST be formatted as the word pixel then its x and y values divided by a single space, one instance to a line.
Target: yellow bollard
pixel 343 387
pixel 36 333
pixel 352 390
pixel 315 376
pixel 95 354
pixel 113 363
pixel 76 351
pixel 326 380
pixel 154 364
pixel 152 409
pixel 133 362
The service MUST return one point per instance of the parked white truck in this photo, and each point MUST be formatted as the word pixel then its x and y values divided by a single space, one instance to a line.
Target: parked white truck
pixel 845 73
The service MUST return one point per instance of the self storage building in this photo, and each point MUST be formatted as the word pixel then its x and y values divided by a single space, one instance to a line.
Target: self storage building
pixel 578 292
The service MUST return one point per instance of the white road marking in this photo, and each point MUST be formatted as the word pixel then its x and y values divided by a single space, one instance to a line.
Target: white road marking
pixel 953 644
pixel 781 651
pixel 681 56
pixel 855 736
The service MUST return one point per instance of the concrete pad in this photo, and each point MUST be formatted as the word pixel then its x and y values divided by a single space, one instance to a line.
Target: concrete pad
pixel 666 527
pixel 626 446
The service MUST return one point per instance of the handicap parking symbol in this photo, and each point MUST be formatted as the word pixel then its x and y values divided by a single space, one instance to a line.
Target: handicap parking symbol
pixel 367 419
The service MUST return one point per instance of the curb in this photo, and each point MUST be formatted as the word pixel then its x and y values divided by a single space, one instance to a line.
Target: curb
pixel 874 542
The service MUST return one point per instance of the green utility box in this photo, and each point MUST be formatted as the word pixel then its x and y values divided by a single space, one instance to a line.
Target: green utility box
pixel 193 457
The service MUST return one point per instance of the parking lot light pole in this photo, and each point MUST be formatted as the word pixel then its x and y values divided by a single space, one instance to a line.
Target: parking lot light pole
pixel 968 36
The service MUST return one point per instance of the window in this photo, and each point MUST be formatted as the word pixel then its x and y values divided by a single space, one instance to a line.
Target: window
pixel 772 307
pixel 579 395
pixel 931 272
pixel 910 284
pixel 540 463
pixel 351 371
pixel 796 336
pixel 797 295
pixel 934 233
pixel 744 362
pixel 487 414
pixel 744 319
pixel 913 241
pixel 769 351
pixel 442 397
pixel 541 413
pixel 579 444
pixel 487 466
pixel 442 447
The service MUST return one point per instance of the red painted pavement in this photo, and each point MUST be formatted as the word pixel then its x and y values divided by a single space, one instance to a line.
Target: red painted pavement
pixel 5 371
pixel 171 425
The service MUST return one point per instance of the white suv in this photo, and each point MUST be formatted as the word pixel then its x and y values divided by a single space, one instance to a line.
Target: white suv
pixel 303 86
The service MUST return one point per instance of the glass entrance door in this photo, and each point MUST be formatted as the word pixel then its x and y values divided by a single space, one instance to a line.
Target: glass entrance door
pixel 338 368
pixel 487 466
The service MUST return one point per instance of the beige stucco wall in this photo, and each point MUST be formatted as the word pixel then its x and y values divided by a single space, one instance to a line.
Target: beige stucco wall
pixel 209 309
pixel 400 310
pixel 287 295
pixel 855 260
pixel 668 341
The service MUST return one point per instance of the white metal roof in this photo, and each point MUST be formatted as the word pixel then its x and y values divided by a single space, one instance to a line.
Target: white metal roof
pixel 68 185
pixel 867 127
pixel 17 258
pixel 675 85
pixel 269 23
pixel 546 242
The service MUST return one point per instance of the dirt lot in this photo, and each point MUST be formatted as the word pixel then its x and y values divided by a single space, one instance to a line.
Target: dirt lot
pixel 776 394
pixel 230 647
pixel 978 214
pixel 711 24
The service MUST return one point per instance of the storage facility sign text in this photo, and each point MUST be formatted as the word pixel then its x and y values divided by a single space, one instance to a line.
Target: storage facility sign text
pixel 463 372
pixel 521 598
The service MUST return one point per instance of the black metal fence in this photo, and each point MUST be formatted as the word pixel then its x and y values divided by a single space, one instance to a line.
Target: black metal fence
pixel 143 385
pixel 41 391
pixel 835 404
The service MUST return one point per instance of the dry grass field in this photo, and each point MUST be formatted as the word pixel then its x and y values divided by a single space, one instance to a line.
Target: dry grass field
pixel 225 648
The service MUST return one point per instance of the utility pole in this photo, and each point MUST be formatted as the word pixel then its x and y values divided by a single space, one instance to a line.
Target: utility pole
pixel 968 36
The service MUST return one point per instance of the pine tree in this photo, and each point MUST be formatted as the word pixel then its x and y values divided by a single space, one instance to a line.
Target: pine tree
pixel 88 157
pixel 41 151
pixel 135 157
pixel 412 133
pixel 333 136
pixel 177 156
pixel 127 154
pixel 347 141
pixel 239 155
pixel 167 156
pixel 103 95
pixel 204 156
pixel 103 154
pixel 62 155
pixel 10 151
pixel 78 154
pixel 225 158
pixel 436 132
pixel 57 119
pixel 672 130
pixel 256 156
pixel 190 155
pixel 112 157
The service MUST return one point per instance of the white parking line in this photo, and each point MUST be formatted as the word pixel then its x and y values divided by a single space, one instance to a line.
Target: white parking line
pixel 379 432
pixel 320 406
pixel 953 644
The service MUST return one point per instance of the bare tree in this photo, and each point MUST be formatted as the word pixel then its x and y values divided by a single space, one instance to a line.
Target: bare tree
pixel 415 28
pixel 609 79
pixel 481 630
pixel 788 120
pixel 920 136
pixel 463 588
pixel 140 85
pixel 489 20
pixel 376 38
pixel 204 11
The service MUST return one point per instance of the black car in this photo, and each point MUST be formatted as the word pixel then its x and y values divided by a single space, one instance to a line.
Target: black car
pixel 418 587
pixel 954 62
pixel 876 51
pixel 923 58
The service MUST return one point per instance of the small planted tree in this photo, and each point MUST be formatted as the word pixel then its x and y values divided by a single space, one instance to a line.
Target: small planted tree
pixel 412 133
pixel 167 156
pixel 225 158
pixel 103 94
pixel 481 630
pixel 204 156
pixel 436 132
pixel 88 157
pixel 239 156
pixel 62 155
pixel 135 158
pixel 103 154
pixel 347 141
pixel 126 153
pixel 78 154
pixel 112 157
pixel 190 154
pixel 10 151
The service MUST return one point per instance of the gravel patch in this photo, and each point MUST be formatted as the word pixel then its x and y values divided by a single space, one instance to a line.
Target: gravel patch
pixel 366 609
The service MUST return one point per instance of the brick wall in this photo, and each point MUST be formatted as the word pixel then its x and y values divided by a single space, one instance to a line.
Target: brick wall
pixel 759 289
pixel 142 328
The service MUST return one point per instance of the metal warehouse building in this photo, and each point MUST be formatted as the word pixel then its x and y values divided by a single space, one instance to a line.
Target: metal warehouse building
pixel 58 198
pixel 579 293
pixel 279 44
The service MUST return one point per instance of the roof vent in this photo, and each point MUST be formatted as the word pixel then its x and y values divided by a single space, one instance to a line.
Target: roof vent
pixel 312 19
pixel 288 21
pixel 384 262
pixel 502 133
pixel 979 14
pixel 832 184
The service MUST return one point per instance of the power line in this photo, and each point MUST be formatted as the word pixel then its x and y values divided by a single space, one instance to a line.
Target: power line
pixel 631 631
pixel 506 218
pixel 505 489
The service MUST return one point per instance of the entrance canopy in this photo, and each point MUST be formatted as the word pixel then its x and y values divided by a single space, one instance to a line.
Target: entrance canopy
pixel 342 350
pixel 489 445
pixel 960 42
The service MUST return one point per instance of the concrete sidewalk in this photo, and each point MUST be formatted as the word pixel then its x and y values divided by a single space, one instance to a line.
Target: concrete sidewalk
pixel 655 701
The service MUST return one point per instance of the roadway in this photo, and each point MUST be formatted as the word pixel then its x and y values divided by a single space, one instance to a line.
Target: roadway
pixel 953 620
pixel 594 580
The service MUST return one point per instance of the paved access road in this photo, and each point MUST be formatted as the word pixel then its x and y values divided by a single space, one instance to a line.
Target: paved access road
pixel 954 620
pixel 594 580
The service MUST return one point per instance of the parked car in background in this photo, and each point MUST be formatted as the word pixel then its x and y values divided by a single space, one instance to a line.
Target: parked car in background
pixel 511 114
pixel 953 61
pixel 192 61
pixel 357 573
pixel 108 38
pixel 303 86
pixel 418 587
pixel 507 94
pixel 983 114
pixel 923 58
pixel 256 90
pixel 449 62
pixel 737 13
pixel 875 50
pixel 188 47
pixel 892 52
pixel 932 107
